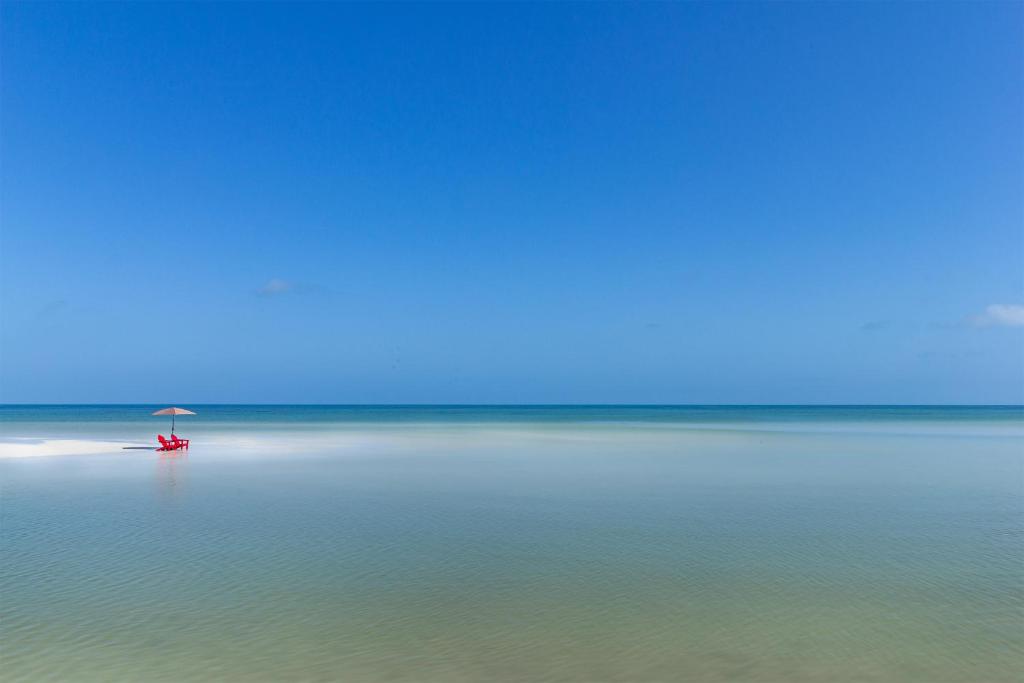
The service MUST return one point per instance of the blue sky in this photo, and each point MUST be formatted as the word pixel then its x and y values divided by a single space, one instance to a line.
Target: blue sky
pixel 690 203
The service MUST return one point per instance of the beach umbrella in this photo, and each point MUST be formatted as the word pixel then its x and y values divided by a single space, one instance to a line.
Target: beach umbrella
pixel 172 412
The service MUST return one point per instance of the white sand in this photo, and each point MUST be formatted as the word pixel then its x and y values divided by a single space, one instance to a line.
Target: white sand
pixel 31 448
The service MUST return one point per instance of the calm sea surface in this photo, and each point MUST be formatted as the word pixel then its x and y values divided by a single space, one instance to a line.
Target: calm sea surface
pixel 299 543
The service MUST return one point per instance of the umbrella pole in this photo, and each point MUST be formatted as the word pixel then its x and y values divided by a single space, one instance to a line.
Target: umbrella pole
pixel 172 424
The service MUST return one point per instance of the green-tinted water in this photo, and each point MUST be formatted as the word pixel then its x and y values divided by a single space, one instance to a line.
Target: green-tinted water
pixel 599 544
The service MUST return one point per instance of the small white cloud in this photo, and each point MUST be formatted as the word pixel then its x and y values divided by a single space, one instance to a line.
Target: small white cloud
pixel 274 286
pixel 1004 315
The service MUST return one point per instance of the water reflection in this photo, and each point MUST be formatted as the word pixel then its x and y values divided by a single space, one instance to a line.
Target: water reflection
pixel 171 474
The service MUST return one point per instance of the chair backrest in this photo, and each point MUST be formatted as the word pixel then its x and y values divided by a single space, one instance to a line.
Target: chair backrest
pixel 161 439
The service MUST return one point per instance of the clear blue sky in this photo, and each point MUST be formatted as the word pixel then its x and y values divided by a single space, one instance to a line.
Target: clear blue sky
pixel 775 203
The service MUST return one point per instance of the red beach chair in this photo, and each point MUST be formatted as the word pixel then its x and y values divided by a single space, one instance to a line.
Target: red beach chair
pixel 174 444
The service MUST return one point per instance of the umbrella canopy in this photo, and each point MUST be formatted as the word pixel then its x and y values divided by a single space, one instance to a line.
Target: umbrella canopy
pixel 172 412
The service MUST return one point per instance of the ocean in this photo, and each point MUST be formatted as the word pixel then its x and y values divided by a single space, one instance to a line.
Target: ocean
pixel 513 543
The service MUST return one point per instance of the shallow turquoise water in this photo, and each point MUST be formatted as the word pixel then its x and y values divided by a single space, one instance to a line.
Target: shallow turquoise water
pixel 521 544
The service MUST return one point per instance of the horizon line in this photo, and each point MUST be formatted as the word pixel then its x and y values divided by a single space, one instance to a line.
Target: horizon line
pixel 541 405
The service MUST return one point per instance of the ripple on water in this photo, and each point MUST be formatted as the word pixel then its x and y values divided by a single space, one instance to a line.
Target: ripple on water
pixel 791 557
